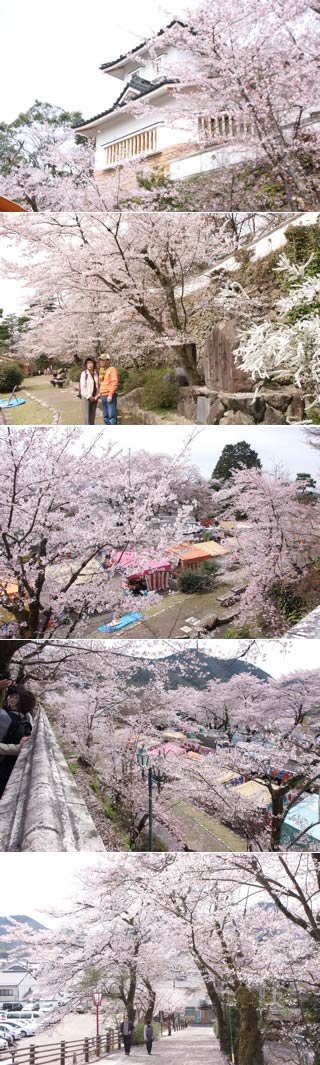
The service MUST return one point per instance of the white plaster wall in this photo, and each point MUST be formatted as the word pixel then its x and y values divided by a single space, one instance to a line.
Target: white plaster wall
pixel 147 66
pixel 123 124
pixel 214 159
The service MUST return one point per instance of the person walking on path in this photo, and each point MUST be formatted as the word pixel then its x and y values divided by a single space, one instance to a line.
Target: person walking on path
pixel 126 1030
pixel 148 1035
pixel 89 391
pixel 108 383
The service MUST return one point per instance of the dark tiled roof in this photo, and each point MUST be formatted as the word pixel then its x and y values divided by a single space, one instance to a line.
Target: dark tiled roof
pixel 149 86
pixel 175 22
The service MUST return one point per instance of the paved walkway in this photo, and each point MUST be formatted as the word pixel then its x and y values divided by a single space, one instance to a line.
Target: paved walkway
pixel 195 1045
pixel 203 832
pixel 62 400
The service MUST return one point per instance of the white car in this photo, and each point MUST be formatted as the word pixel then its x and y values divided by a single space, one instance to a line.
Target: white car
pixel 6 1034
pixel 3 1043
pixel 21 1028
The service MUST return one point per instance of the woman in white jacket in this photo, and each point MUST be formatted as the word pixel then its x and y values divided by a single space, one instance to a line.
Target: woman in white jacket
pixel 89 391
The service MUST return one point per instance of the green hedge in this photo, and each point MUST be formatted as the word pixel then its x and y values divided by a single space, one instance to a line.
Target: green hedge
pixel 10 376
pixel 138 1039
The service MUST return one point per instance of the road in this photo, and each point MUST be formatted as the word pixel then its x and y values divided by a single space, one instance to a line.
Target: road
pixel 182 1048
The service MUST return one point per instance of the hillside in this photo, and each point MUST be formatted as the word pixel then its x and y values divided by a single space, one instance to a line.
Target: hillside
pixel 195 670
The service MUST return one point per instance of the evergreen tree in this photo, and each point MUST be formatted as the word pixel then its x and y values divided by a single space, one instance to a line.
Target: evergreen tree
pixel 232 458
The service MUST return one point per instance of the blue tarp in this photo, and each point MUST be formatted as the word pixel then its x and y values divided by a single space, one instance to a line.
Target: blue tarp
pixel 302 816
pixel 12 402
pixel 127 619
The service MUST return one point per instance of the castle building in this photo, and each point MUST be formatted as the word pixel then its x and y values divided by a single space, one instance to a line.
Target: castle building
pixel 155 136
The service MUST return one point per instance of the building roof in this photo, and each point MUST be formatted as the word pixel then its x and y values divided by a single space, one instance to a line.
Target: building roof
pixel 150 86
pixel 12 978
pixel 139 47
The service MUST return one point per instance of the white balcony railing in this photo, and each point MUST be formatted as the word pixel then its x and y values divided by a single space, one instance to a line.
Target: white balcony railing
pixel 131 147
pixel 223 125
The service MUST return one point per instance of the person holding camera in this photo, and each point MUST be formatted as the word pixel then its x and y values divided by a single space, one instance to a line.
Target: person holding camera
pixel 16 720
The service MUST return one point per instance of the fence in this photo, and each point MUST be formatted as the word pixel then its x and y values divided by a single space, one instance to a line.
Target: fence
pixel 71 1051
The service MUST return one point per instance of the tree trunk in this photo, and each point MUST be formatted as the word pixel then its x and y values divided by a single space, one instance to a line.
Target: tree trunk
pixel 218 1009
pixel 187 355
pixel 277 818
pixel 7 649
pixel 250 1047
pixel 151 1004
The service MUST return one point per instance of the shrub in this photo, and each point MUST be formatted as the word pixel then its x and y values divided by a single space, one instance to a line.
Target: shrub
pixel 74 372
pixel 131 379
pixel 10 376
pixel 191 581
pixel 289 604
pixel 160 391
pixel 138 1039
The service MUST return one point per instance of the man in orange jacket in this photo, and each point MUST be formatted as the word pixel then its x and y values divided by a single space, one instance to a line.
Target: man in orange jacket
pixel 108 388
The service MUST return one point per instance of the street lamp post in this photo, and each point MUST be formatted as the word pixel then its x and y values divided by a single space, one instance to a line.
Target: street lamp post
pixel 97 999
pixel 155 776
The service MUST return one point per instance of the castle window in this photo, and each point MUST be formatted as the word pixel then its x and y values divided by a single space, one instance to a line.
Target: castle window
pixel 131 147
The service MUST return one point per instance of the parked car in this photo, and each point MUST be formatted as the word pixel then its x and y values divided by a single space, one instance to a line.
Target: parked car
pixel 22 1027
pixel 12 1006
pixel 7 1035
pixel 3 1043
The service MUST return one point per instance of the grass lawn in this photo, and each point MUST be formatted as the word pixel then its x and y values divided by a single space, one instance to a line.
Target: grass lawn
pixel 30 413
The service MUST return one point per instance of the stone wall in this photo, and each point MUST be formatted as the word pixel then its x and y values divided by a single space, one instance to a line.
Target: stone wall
pixel 277 407
pixel 199 405
pixel 41 809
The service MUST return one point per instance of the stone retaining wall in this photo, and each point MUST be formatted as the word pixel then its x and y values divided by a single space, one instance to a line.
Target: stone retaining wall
pixel 198 405
pixel 42 809
pixel 240 408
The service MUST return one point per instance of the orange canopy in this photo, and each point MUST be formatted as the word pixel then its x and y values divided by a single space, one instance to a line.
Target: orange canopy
pixel 9 205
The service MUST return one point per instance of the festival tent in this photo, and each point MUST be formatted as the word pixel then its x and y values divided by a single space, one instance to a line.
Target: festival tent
pixel 168 748
pixel 254 792
pixel 190 556
pixel 303 817
pixel 139 567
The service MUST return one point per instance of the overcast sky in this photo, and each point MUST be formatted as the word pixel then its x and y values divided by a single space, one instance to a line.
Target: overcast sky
pixel 32 882
pixel 53 53
pixel 275 444
pixel 277 657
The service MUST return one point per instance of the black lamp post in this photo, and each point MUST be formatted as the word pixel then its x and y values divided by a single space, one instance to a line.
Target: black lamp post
pixel 155 776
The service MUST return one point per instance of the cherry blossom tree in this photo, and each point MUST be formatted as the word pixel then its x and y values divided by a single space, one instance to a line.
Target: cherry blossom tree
pixel 292 343
pixel 257 64
pixel 246 729
pixel 243 927
pixel 112 281
pixel 275 544
pixel 46 166
pixel 72 501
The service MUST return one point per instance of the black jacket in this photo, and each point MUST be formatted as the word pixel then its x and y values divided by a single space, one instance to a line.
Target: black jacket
pixel 130 1026
pixel 20 726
